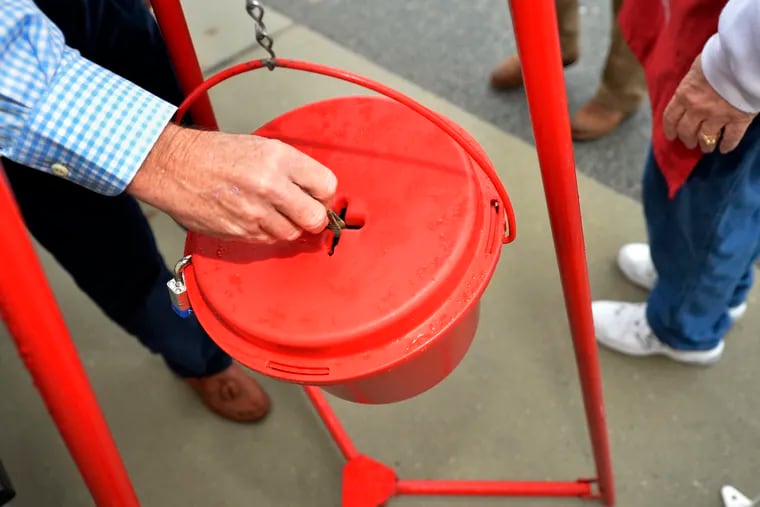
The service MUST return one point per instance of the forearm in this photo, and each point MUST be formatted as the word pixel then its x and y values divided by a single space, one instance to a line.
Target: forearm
pixel 63 114
pixel 731 57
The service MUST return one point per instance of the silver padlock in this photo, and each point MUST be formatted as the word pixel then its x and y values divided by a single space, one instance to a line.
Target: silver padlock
pixel 178 290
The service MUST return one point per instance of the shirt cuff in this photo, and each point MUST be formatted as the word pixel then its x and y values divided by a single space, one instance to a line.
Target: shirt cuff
pixel 93 127
pixel 718 72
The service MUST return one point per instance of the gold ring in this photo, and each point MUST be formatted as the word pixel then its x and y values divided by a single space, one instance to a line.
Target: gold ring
pixel 709 140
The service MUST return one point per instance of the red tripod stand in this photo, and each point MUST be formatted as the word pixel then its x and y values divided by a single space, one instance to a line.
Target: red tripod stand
pixel 30 311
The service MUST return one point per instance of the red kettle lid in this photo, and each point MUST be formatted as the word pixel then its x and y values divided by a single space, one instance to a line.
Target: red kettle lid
pixel 423 233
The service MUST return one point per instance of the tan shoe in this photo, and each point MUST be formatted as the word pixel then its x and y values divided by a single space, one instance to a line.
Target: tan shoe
pixel 508 74
pixel 232 394
pixel 595 120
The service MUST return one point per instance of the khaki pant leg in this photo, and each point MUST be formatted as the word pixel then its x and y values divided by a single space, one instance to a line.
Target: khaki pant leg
pixel 569 26
pixel 623 85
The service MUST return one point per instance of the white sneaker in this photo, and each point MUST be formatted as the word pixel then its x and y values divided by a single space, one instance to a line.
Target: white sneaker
pixel 623 327
pixel 635 261
pixel 732 497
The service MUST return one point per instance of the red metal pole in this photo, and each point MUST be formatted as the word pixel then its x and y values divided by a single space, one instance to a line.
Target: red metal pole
pixel 171 20
pixel 536 32
pixel 493 488
pixel 29 309
pixel 332 422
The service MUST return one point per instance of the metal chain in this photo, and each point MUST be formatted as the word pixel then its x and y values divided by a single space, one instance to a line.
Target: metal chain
pixel 256 11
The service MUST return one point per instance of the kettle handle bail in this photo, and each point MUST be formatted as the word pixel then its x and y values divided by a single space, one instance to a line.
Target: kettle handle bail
pixel 343 75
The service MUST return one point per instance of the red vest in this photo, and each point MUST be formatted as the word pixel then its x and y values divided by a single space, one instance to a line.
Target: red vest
pixel 666 36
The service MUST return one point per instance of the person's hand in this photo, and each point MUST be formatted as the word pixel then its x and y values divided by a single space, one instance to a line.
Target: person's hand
pixel 698 115
pixel 234 186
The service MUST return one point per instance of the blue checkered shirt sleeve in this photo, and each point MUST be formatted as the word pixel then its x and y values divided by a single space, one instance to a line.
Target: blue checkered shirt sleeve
pixel 63 114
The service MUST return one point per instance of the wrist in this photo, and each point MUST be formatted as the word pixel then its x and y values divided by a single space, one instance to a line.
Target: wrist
pixel 157 175
pixel 96 124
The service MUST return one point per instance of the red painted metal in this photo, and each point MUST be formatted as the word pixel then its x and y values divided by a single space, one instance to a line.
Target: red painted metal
pixel 535 26
pixel 332 423
pixel 367 483
pixel 494 488
pixel 29 309
pixel 179 44
pixel 395 308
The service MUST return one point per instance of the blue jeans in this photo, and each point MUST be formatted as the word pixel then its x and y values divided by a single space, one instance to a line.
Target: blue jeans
pixel 105 243
pixel 704 243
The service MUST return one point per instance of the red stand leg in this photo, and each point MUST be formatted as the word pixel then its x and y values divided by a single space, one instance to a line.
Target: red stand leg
pixel 332 423
pixel 29 309
pixel 366 482
pixel 171 19
pixel 369 483
pixel 536 31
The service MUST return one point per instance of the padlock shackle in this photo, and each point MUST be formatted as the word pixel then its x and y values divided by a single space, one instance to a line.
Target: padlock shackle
pixel 180 266
pixel 314 68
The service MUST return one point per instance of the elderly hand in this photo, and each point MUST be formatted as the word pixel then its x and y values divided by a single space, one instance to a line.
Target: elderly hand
pixel 698 115
pixel 235 186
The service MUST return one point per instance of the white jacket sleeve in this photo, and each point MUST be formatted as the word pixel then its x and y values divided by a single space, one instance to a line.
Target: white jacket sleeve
pixel 731 57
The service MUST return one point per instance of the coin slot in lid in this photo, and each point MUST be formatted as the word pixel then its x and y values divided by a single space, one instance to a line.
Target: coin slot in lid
pixel 353 222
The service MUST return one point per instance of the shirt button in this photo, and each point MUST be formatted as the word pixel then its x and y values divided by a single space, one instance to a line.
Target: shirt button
pixel 60 170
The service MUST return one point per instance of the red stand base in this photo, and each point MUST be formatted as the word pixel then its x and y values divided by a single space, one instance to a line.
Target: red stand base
pixel 369 483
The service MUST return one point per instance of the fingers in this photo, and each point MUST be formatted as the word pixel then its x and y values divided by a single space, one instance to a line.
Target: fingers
pixel 240 228
pixel 732 136
pixel 283 212
pixel 688 129
pixel 694 130
pixel 672 117
pixel 302 209
pixel 278 227
pixel 314 178
pixel 311 187
pixel 709 135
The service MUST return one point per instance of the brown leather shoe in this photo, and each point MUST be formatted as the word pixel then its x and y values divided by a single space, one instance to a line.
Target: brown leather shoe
pixel 232 394
pixel 508 74
pixel 595 120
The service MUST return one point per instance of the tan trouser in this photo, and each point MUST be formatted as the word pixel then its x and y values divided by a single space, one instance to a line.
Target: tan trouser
pixel 623 85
